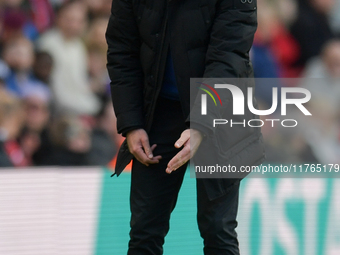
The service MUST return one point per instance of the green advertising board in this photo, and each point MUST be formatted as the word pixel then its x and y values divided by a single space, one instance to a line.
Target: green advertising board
pixel 276 217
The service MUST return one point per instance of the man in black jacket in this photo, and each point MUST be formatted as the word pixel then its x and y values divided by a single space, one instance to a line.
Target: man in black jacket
pixel 155 47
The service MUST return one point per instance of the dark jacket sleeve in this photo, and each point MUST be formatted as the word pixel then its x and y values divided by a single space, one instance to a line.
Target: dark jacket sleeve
pixel 227 56
pixel 124 66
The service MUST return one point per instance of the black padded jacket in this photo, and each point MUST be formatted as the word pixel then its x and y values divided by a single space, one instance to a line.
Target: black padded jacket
pixel 208 38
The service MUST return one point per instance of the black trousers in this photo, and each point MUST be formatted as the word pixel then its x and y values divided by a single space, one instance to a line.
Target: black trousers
pixel 154 194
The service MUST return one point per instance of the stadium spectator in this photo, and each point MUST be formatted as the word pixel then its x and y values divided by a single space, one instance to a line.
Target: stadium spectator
pixel 98 76
pixel 312 28
pixel 42 14
pixel 42 67
pixel 69 75
pixel 105 140
pixel 95 36
pixel 11 123
pixel 36 102
pixel 34 139
pixel 99 8
pixel 4 72
pixel 321 130
pixel 19 55
pixel 274 50
pixel 287 10
pixel 327 64
pixel 326 68
pixel 97 48
pixel 19 18
pixel 71 141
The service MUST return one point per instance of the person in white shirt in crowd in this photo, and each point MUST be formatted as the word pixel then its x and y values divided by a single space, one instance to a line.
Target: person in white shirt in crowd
pixel 69 81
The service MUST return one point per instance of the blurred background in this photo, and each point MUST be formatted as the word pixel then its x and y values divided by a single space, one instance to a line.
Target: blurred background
pixel 56 110
pixel 55 106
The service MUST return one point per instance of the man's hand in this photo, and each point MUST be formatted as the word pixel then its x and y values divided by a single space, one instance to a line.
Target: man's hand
pixel 138 143
pixel 190 140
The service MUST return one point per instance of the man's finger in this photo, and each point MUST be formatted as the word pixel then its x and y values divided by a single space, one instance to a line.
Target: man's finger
pixel 141 157
pixel 159 157
pixel 153 147
pixel 184 137
pixel 182 159
pixel 179 160
pixel 146 147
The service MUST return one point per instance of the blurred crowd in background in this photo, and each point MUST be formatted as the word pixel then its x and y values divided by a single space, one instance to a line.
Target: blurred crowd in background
pixel 297 44
pixel 55 106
